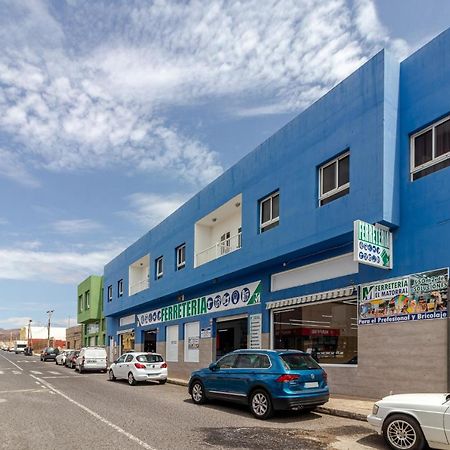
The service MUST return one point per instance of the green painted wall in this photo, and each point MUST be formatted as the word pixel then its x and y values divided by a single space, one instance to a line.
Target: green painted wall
pixel 90 311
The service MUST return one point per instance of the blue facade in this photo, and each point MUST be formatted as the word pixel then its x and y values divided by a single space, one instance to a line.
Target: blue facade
pixel 372 114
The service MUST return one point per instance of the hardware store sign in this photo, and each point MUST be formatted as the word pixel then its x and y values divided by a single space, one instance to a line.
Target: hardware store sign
pixel 416 297
pixel 372 245
pixel 238 297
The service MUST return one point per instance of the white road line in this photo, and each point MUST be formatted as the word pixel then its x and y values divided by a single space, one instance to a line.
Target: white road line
pixel 18 391
pixel 17 372
pixel 13 363
pixel 1 372
pixel 2 400
pixel 36 372
pixel 97 416
pixel 62 376
pixel 54 373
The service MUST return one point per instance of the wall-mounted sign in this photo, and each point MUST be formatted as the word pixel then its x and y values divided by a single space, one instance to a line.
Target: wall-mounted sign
pixel 127 320
pixel 238 297
pixel 93 328
pixel 372 245
pixel 205 333
pixel 415 297
pixel 193 342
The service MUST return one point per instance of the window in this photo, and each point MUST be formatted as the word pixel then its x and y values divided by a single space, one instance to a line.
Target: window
pixel 120 288
pixel 87 299
pixel 334 179
pixel 328 331
pixel 80 303
pixel 430 149
pixel 227 362
pixel 269 212
pixel 110 293
pixel 159 267
pixel 172 343
pixel 252 361
pixel 129 358
pixel 225 243
pixel 121 359
pixel 181 256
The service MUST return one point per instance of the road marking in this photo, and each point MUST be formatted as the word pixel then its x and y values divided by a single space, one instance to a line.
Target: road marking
pixel 18 391
pixel 54 373
pixel 36 372
pixel 97 416
pixel 1 372
pixel 17 372
pixel 2 400
pixel 13 363
pixel 62 376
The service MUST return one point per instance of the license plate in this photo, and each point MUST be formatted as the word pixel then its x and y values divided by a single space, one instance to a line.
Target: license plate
pixel 151 366
pixel 312 384
pixel 91 361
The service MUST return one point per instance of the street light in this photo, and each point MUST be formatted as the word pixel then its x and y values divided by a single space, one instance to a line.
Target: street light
pixel 50 312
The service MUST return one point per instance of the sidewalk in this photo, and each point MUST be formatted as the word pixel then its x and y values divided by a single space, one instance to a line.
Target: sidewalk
pixel 349 407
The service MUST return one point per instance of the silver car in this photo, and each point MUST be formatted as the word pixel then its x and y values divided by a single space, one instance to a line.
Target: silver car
pixel 61 358
pixel 139 366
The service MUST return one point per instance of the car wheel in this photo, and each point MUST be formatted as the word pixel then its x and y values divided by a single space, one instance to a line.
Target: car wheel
pixel 131 380
pixel 198 393
pixel 111 375
pixel 402 432
pixel 261 404
pixel 162 381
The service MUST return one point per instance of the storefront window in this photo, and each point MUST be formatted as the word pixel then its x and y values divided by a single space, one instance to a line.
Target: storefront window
pixel 328 331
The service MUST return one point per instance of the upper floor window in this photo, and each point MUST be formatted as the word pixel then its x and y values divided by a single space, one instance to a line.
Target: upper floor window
pixel 269 212
pixel 80 303
pixel 430 149
pixel 120 288
pixel 110 294
pixel 334 179
pixel 87 299
pixel 159 267
pixel 181 256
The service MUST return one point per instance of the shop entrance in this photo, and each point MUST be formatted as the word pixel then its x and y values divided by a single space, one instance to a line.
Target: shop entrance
pixel 126 342
pixel 231 335
pixel 150 341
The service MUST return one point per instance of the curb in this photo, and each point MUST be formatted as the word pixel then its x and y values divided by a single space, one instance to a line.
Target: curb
pixel 177 382
pixel 341 413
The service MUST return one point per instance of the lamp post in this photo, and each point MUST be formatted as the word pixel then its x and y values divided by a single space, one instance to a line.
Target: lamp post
pixel 50 312
pixel 29 334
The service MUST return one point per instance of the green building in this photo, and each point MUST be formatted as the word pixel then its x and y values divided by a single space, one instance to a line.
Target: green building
pixel 90 311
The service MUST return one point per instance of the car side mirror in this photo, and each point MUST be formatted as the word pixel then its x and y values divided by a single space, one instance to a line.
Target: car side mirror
pixel 213 367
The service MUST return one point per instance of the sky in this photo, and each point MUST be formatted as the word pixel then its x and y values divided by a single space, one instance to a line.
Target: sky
pixel 112 114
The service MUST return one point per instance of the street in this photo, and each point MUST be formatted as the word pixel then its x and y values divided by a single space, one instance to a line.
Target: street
pixel 45 406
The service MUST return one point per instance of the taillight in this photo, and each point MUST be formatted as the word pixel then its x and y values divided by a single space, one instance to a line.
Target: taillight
pixel 164 365
pixel 139 366
pixel 287 378
pixel 82 360
pixel 325 376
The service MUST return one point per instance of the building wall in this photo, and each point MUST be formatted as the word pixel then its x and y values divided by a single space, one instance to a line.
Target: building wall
pixel 74 337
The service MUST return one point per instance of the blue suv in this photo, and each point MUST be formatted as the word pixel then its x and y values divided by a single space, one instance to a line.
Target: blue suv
pixel 266 380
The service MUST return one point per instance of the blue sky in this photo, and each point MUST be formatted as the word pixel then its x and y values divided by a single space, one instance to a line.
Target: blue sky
pixel 114 113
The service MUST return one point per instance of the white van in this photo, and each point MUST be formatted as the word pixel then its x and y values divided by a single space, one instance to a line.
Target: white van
pixel 91 358
pixel 19 346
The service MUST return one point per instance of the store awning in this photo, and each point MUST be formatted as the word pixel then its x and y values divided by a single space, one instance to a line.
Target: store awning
pixel 349 291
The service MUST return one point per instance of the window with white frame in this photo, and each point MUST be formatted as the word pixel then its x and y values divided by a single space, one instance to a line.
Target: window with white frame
pixel 80 303
pixel 159 266
pixel 430 149
pixel 269 212
pixel 87 299
pixel 334 179
pixel 120 288
pixel 181 256
pixel 110 294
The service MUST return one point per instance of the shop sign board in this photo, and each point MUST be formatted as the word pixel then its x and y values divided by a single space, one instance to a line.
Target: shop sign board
pixel 238 297
pixel 372 245
pixel 420 296
pixel 93 328
pixel 205 333
pixel 193 343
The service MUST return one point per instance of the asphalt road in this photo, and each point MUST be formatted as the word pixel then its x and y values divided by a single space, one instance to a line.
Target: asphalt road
pixel 45 406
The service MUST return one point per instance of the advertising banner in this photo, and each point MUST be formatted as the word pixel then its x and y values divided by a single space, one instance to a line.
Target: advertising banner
pixel 420 296
pixel 238 297
pixel 372 245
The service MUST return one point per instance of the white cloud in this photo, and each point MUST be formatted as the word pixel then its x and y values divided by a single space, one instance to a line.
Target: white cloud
pixel 149 209
pixel 58 267
pixel 11 166
pixel 14 322
pixel 75 226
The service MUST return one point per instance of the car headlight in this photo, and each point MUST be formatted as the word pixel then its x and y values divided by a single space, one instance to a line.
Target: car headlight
pixel 375 409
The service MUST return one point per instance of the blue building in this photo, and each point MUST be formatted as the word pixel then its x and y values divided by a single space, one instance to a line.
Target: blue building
pixel 280 251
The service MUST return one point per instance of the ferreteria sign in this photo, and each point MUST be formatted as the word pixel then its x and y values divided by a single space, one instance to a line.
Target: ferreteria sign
pixel 372 245
pixel 238 297
pixel 415 297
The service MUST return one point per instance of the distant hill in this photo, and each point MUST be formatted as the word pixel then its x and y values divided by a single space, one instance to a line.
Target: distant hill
pixel 6 334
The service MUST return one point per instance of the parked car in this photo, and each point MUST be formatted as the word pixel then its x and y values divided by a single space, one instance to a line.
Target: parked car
pixel 265 380
pixel 91 358
pixel 49 353
pixel 139 366
pixel 28 351
pixel 61 358
pixel 413 421
pixel 71 358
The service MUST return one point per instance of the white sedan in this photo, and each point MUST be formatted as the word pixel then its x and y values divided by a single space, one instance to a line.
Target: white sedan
pixel 139 366
pixel 413 421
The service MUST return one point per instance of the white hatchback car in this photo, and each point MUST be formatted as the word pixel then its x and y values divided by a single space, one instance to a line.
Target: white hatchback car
pixel 61 358
pixel 139 366
pixel 413 421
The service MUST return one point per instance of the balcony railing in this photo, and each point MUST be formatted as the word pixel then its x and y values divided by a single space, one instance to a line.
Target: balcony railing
pixel 138 286
pixel 219 249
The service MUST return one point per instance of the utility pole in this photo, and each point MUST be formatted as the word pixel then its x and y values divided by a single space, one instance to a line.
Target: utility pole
pixel 50 312
pixel 29 334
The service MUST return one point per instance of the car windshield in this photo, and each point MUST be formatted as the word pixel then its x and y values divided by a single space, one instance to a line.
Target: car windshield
pixel 149 358
pixel 297 361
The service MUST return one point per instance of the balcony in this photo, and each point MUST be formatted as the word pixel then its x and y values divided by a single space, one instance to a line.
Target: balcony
pixel 219 232
pixel 138 275
pixel 219 249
